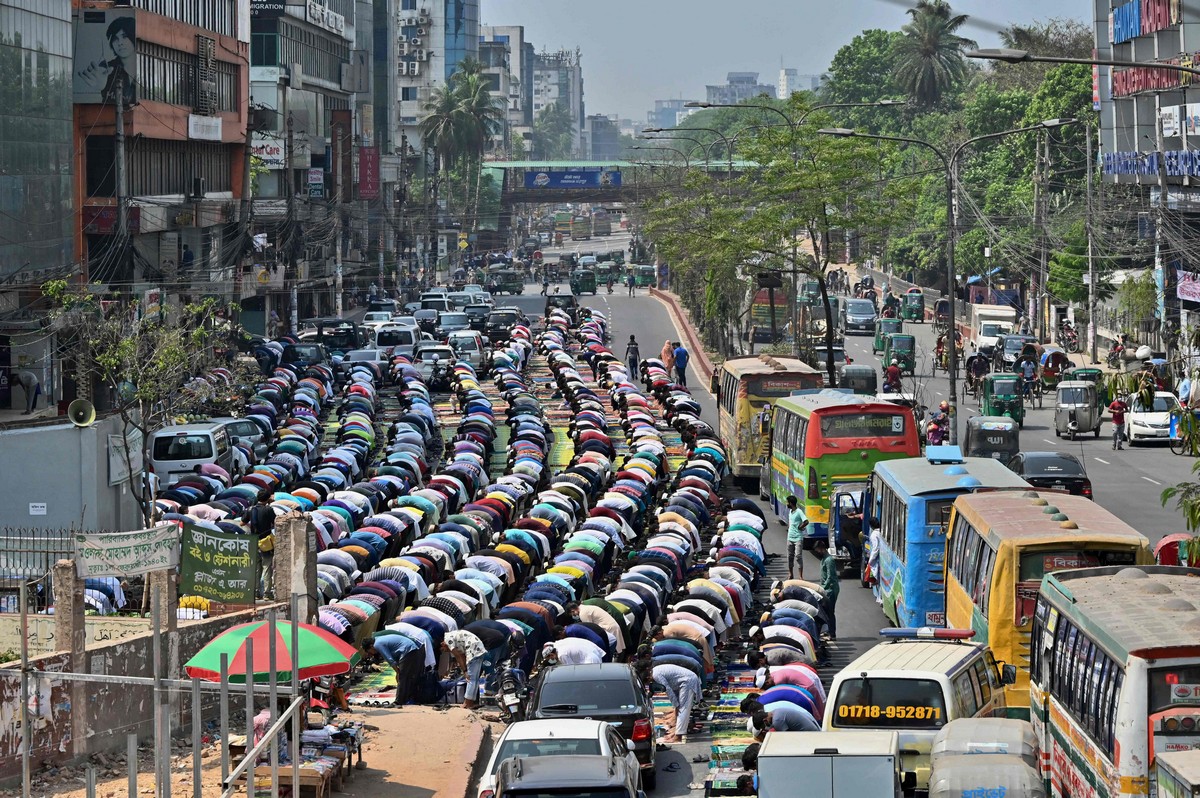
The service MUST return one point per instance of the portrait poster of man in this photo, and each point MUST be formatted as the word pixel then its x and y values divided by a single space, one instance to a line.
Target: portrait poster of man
pixel 106 56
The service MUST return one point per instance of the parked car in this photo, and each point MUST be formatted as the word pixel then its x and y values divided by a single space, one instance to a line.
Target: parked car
pixel 174 452
pixel 248 432
pixel 859 317
pixel 822 355
pixel 610 692
pixel 305 353
pixel 428 354
pixel 1151 422
pixel 376 317
pixel 376 356
pixel 1053 470
pixel 471 347
pixel 473 288
pixel 577 776
pixel 397 339
pixel 500 323
pixel 1009 346
pixel 559 737
pixel 381 304
pixel 461 298
pixel 477 315
pixel 438 302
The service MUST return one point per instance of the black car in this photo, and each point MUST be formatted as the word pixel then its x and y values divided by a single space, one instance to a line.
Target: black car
pixel 610 692
pixel 453 321
pixel 427 320
pixel 859 317
pixel 500 324
pixel 477 316
pixel 1054 470
pixel 1008 346
pixel 569 303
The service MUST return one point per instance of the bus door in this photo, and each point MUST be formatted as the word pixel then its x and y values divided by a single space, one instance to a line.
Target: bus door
pixel 846 527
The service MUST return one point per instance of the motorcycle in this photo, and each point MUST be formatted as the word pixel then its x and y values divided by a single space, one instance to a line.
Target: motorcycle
pixel 1068 338
pixel 439 379
pixel 512 690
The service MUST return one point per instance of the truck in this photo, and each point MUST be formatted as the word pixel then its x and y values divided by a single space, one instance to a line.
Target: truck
pixel 990 322
pixel 832 764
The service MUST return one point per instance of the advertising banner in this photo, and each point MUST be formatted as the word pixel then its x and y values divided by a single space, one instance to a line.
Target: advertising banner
pixel 1170 121
pixel 572 178
pixel 368 173
pixel 105 56
pixel 127 553
pixel 219 566
pixel 1187 285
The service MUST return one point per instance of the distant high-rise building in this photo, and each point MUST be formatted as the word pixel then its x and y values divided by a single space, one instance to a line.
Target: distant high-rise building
pixel 791 81
pixel 665 112
pixel 558 78
pixel 519 100
pixel 604 138
pixel 738 87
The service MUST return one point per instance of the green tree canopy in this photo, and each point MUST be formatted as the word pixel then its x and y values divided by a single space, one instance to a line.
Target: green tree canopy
pixel 929 60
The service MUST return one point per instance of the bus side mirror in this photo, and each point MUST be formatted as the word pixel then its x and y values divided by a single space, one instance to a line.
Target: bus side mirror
pixel 1008 674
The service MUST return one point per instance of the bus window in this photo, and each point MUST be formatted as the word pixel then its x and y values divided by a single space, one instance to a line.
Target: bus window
pixel 862 425
pixel 1174 687
pixel 937 511
pixel 983 581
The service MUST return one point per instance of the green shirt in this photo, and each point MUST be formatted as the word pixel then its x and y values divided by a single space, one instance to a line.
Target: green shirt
pixel 830 582
pixel 796 524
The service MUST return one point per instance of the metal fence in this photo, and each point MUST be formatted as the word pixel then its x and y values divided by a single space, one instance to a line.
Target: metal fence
pixel 30 552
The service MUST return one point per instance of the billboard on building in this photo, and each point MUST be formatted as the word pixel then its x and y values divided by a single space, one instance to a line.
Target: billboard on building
pixel 106 56
pixel 595 177
pixel 368 173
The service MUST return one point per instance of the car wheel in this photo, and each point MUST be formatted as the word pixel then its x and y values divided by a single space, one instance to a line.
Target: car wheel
pixel 650 778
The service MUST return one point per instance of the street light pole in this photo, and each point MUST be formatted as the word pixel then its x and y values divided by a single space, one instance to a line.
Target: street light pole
pixel 695 143
pixel 950 162
pixel 687 163
pixel 724 139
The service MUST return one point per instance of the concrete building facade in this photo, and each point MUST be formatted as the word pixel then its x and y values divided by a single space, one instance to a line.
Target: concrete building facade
pixel 738 87
pixel 558 78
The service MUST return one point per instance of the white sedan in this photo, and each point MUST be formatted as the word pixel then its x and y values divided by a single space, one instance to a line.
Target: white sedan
pixel 565 737
pixel 1153 422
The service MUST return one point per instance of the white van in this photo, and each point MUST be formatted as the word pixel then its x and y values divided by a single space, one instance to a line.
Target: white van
pixel 914 683
pixel 174 452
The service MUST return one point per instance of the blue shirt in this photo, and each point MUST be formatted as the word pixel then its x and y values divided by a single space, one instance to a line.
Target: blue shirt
pixel 789 717
pixel 393 648
pixel 681 358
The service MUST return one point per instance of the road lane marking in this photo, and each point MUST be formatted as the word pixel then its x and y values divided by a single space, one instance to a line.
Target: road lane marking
pixel 1155 481
pixel 1052 443
pixel 1101 460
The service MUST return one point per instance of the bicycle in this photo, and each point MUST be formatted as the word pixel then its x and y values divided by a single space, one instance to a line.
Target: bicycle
pixel 1031 389
pixel 1186 437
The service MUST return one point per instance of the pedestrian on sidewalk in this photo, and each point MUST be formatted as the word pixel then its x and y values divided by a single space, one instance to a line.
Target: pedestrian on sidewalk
pixel 830 583
pixel 33 389
pixel 681 361
pixel 633 357
pixel 1118 408
pixel 667 356
pixel 797 523
pixel 683 689
pixel 405 657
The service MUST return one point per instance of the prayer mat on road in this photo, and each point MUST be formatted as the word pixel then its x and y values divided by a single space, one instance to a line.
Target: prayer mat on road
pixel 373 689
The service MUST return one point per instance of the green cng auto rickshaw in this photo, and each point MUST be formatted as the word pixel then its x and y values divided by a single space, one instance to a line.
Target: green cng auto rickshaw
pixel 884 328
pixel 1002 397
pixel 506 281
pixel 583 281
pixel 912 307
pixel 605 270
pixel 645 276
pixel 902 348
pixel 997 437
pixel 861 379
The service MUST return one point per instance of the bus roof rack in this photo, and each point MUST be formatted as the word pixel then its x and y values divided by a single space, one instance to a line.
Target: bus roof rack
pixel 926 633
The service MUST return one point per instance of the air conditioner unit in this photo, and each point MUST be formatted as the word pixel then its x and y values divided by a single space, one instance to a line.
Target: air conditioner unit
pixel 423 19
pixel 402 68
pixel 420 31
pixel 422 55
pixel 414 69
pixel 402 39
pixel 199 187
pixel 417 42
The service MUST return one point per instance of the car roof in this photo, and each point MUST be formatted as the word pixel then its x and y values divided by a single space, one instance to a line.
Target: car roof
pixel 913 659
pixel 1050 456
pixel 564 772
pixel 554 727
pixel 605 672
pixel 199 426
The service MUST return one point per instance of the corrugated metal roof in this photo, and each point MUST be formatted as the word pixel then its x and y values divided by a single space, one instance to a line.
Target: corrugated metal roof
pixel 917 476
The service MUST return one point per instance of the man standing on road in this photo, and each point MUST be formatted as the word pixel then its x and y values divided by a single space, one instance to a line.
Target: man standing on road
pixel 630 282
pixel 261 520
pixel 1118 408
pixel 681 361
pixel 797 523
pixel 633 357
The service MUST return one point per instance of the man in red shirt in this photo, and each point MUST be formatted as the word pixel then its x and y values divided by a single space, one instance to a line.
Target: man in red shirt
pixel 1118 409
pixel 892 375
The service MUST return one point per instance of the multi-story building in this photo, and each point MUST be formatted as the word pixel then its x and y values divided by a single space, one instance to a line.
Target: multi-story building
pixel 738 87
pixel 37 236
pixel 519 101
pixel 665 112
pixel 604 138
pixel 558 78
pixel 434 37
pixel 160 125
pixel 495 58
pixel 791 81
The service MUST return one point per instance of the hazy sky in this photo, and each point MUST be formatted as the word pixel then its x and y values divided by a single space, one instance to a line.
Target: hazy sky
pixel 637 51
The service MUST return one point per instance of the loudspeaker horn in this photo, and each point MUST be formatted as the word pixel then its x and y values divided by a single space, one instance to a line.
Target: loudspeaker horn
pixel 82 413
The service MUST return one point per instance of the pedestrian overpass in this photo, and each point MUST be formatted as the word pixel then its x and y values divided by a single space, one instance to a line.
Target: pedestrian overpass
pixel 590 181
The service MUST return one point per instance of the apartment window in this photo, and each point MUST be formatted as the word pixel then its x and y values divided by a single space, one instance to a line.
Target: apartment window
pixel 218 16
pixel 158 167
pixel 165 75
pixel 408 5
pixel 264 49
pixel 408 93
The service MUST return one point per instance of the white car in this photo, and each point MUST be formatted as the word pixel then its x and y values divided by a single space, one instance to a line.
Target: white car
pixel 1150 423
pixel 376 317
pixel 553 738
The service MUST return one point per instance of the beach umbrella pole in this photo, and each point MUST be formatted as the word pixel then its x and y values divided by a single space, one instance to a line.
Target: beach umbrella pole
pixel 225 718
pixel 295 742
pixel 249 712
pixel 197 732
pixel 272 683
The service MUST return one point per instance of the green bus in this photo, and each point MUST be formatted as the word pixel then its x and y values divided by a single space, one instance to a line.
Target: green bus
pixel 823 439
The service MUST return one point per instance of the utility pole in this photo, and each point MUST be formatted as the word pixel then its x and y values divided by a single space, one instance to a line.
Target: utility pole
pixel 1039 195
pixel 1044 276
pixel 290 273
pixel 337 228
pixel 1091 255
pixel 1160 266
pixel 119 159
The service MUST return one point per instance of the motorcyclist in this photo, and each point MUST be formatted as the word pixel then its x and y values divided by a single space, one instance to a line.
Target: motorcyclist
pixel 891 376
pixel 889 312
pixel 934 434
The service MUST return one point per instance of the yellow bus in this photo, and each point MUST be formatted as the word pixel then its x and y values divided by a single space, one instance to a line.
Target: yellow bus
pixel 998 548
pixel 749 387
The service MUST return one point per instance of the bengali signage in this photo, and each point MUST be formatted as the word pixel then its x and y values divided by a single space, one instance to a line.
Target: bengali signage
pixel 1187 285
pixel 127 553
pixel 1178 163
pixel 204 128
pixel 218 566
pixel 595 177
pixel 1135 80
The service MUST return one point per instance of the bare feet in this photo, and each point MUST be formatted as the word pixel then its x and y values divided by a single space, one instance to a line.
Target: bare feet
pixel 470 704
pixel 670 738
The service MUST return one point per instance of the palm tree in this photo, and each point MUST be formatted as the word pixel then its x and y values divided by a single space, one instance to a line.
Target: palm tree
pixel 928 58
pixel 439 128
pixel 552 132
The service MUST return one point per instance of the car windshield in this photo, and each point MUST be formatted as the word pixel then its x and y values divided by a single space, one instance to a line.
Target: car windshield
pixel 1174 687
pixel 902 344
pixel 476 311
pixel 1164 403
pixel 340 339
pixel 394 338
pixel 1004 387
pixel 1054 465
pixel 502 318
pixel 1074 396
pixel 441 353
pixel 609 695
pixel 549 746
pixel 466 344
pixel 860 307
pixel 1036 564
pixel 454 318
pixel 889 704
pixel 301 352
pixel 182 447
pixel 1014 345
pixel 991 330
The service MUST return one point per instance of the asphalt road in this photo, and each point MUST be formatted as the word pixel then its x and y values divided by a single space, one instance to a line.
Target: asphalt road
pixel 1128 483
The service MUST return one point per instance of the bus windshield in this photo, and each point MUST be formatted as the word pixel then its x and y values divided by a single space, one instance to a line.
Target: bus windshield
pixel 1174 687
pixel 862 425
pixel 890 704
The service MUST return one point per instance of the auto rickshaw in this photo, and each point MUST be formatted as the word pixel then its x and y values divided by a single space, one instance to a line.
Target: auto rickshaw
pixel 583 281
pixel 997 437
pixel 861 379
pixel 1054 362
pixel 1002 397
pixel 509 281
pixel 811 288
pixel 884 328
pixel 992 774
pixel 604 270
pixel 902 348
pixel 1177 548
pixel 941 315
pixel 1075 409
pixel 913 306
pixel 972 383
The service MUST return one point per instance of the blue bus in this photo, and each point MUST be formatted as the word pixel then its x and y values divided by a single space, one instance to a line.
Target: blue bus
pixel 908 506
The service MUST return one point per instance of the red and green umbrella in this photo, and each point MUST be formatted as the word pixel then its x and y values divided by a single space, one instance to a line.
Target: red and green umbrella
pixel 319 653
